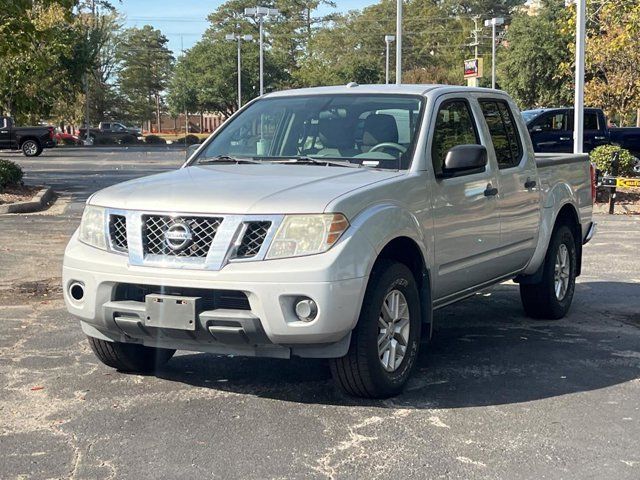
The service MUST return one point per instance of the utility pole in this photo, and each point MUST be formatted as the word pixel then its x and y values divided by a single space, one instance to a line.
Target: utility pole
pixel 388 39
pixel 260 13
pixel 86 75
pixel 239 38
pixel 492 23
pixel 578 120
pixel 475 34
pixel 399 42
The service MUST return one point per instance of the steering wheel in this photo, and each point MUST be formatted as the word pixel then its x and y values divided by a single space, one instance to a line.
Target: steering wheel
pixel 383 145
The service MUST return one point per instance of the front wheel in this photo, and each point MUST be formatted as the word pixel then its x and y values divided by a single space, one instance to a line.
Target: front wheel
pixel 385 343
pixel 130 357
pixel 551 298
pixel 31 148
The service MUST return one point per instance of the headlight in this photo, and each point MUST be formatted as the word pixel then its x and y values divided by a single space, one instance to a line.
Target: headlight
pixel 92 227
pixel 307 234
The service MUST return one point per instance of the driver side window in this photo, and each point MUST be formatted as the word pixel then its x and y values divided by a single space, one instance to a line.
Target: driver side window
pixel 454 126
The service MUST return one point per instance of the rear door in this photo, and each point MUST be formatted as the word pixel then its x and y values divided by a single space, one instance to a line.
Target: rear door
pixel 466 221
pixel 594 129
pixel 550 132
pixel 519 193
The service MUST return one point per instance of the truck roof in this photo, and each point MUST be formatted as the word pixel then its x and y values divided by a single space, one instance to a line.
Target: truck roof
pixel 406 89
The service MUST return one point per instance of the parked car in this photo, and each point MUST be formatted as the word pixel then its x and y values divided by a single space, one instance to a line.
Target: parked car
pixel 111 129
pixel 551 130
pixel 330 223
pixel 66 138
pixel 31 140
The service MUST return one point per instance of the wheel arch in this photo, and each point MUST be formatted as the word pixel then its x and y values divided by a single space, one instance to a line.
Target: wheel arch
pixel 28 137
pixel 406 250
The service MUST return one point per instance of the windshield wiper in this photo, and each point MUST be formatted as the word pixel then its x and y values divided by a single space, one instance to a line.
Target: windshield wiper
pixel 226 159
pixel 302 159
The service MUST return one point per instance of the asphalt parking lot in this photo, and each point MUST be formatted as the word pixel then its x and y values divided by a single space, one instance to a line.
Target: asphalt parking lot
pixel 495 394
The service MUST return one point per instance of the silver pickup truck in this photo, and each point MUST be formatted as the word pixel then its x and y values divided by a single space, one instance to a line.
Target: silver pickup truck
pixel 330 223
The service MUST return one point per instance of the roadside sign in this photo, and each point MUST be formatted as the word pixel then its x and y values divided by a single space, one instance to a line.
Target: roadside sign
pixel 473 68
pixel 627 182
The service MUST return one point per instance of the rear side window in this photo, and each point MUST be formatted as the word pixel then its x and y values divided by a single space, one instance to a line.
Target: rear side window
pixel 504 133
pixel 590 121
pixel 454 126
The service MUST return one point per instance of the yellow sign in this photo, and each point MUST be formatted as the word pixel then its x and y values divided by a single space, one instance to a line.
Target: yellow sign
pixel 627 182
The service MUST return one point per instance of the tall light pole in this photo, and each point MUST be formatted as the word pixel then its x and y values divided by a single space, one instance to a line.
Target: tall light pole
pixel 260 13
pixel 239 39
pixel 388 39
pixel 399 42
pixel 492 23
pixel 578 107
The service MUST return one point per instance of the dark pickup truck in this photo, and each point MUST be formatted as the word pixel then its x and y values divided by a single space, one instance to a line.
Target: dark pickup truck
pixel 113 130
pixel 551 130
pixel 31 140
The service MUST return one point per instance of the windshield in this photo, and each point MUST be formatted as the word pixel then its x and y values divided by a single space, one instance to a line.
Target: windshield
pixel 529 115
pixel 370 130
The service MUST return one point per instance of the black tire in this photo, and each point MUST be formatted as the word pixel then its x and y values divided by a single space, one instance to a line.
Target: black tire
pixel 31 148
pixel 539 299
pixel 360 372
pixel 129 357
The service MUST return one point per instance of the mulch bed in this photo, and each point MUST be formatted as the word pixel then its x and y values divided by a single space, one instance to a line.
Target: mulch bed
pixel 18 193
pixel 627 200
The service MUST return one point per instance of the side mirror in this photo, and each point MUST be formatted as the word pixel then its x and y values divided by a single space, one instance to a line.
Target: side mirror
pixel 464 159
pixel 192 148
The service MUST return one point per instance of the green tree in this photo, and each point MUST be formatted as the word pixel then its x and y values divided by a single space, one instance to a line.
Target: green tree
pixel 534 66
pixel 145 66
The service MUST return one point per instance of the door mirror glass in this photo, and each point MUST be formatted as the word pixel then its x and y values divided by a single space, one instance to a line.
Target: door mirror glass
pixel 464 159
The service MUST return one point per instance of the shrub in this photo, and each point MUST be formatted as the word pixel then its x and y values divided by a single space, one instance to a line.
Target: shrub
pixel 10 173
pixel 602 155
pixel 128 140
pixel 154 140
pixel 189 140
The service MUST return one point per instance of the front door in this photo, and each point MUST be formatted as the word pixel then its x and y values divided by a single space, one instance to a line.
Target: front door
pixel 465 208
pixel 519 197
pixel 550 132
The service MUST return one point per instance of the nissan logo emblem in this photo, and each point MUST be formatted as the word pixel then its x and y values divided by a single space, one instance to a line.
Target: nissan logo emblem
pixel 178 236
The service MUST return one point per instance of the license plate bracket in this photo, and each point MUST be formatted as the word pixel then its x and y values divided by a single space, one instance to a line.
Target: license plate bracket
pixel 172 311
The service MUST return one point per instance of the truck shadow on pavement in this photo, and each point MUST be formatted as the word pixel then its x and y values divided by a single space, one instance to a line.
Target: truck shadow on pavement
pixel 484 351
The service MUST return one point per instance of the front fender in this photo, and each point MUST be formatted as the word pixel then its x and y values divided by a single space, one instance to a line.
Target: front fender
pixel 384 222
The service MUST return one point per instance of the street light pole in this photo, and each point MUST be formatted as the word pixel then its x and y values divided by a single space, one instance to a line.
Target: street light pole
pixel 388 39
pixel 239 38
pixel 399 42
pixel 578 108
pixel 493 22
pixel 260 13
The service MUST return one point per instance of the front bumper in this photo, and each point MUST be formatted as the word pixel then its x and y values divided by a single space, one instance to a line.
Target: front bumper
pixel 269 327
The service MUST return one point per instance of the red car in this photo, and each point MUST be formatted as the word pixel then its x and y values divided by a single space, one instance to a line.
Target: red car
pixel 62 138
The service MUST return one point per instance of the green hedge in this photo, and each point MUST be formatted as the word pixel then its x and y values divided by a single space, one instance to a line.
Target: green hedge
pixel 10 173
pixel 189 140
pixel 154 140
pixel 602 155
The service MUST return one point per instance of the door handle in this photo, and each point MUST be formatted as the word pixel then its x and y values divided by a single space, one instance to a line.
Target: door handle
pixel 490 191
pixel 529 184
pixel 598 137
pixel 565 138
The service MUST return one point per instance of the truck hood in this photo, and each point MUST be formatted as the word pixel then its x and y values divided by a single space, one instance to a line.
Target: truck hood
pixel 240 189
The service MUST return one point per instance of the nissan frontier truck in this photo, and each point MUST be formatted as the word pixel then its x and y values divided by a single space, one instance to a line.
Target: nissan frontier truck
pixel 330 223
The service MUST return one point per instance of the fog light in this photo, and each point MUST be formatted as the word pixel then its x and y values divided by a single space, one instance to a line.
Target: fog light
pixel 306 309
pixel 76 291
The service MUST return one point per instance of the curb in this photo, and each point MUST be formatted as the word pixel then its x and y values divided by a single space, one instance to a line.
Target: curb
pixel 37 203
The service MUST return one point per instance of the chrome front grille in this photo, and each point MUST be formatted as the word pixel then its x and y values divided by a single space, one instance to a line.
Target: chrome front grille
pixel 118 232
pixel 201 229
pixel 253 239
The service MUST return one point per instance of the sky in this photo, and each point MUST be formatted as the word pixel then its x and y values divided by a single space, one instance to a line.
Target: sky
pixel 184 21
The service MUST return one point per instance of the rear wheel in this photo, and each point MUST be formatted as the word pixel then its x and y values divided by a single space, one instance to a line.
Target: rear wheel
pixel 129 357
pixel 552 296
pixel 385 343
pixel 31 148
